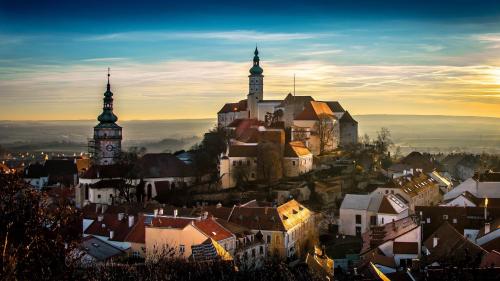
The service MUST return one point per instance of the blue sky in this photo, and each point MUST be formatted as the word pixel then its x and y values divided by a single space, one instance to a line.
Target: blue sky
pixel 184 60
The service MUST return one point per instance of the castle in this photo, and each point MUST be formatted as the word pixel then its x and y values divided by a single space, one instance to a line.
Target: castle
pixel 298 125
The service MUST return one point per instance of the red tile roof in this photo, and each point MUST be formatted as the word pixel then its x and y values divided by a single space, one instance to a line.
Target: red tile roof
pixel 234 107
pixel 381 234
pixel 111 222
pixel 170 222
pixel 213 229
pixel 296 149
pixel 313 110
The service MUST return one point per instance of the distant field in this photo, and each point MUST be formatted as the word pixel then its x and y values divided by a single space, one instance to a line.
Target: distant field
pixel 424 133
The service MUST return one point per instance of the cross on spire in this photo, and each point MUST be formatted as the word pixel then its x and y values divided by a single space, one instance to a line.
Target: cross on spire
pixel 109 87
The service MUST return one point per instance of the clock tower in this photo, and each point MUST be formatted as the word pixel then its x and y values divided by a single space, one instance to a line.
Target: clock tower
pixel 107 134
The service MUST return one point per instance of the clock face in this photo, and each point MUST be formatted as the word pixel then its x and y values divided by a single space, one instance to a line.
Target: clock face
pixel 109 147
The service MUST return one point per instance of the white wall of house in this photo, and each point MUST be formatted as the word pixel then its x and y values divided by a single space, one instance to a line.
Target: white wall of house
pixel 460 201
pixel 295 166
pixel 229 164
pixel 224 119
pixel 102 195
pixel 348 221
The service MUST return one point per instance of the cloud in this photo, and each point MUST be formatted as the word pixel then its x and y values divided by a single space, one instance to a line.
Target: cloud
pixel 237 35
pixel 104 59
pixel 493 39
pixel 430 48
pixel 192 89
pixel 322 52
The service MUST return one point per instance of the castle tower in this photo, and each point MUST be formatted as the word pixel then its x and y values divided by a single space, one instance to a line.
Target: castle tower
pixel 107 134
pixel 256 85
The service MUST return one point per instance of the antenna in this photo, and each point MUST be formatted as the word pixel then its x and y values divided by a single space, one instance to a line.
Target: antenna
pixel 294 84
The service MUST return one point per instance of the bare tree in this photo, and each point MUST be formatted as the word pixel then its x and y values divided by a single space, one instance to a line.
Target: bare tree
pixel 130 172
pixel 326 130
pixel 383 141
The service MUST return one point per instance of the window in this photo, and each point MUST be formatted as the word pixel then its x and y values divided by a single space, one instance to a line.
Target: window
pixel 373 220
pixel 455 221
pixel 248 162
pixel 234 163
pixel 253 253
pixel 386 191
pixel 253 175
pixel 358 219
pixel 181 249
pixel 98 196
pixel 428 220
pixel 293 163
pixel 268 239
pixel 445 217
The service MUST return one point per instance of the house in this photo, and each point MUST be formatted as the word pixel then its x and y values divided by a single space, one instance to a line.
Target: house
pixel 445 184
pixel 162 172
pixel 418 161
pixel 447 246
pixel 61 172
pixel 100 184
pixel 396 243
pixel 481 185
pixel 468 221
pixel 489 232
pixel 93 251
pixel 467 199
pixel 297 160
pixel 231 112
pixel 285 229
pixel 418 189
pixel 348 129
pixel 360 212
pixel 317 127
pixel 36 175
pixel 179 236
pixel 320 264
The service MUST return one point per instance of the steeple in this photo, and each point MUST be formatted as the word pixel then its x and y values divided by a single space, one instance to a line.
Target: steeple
pixel 107 115
pixel 256 69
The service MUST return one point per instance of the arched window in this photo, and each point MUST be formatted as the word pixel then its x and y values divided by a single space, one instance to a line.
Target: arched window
pixel 86 188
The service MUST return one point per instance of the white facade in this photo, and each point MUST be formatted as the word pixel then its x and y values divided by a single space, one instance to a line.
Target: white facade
pixel 296 166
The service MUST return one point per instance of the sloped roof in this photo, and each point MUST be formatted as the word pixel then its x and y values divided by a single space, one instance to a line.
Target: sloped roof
pixel 234 107
pixel 418 160
pixel 335 106
pixel 209 250
pixel 390 231
pixel 291 99
pixel 213 229
pixel 296 149
pixel 34 171
pixel 110 222
pixel 105 171
pixel 392 204
pixel 362 202
pixel 60 167
pixel 293 213
pixel 98 249
pixel 347 118
pixel 313 110
pixel 243 151
pixel 451 245
pixel 412 184
pixel 257 218
pixel 163 165
pixel 170 222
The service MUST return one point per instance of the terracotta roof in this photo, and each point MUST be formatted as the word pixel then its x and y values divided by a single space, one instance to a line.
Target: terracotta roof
pixel 216 211
pixel 234 107
pixel 313 110
pixel 293 213
pixel 390 231
pixel 413 184
pixel 170 222
pixel 138 232
pixel 237 229
pixel 163 165
pixel 405 248
pixel 110 222
pixel 258 218
pixel 296 149
pixel 243 151
pixel 451 245
pixel 90 211
pixel 213 229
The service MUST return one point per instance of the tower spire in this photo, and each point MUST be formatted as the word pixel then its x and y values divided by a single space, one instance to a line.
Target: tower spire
pixel 109 86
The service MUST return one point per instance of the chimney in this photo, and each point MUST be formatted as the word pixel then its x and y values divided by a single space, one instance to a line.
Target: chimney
pixel 205 215
pixel 434 242
pixel 160 211
pixel 104 208
pixel 111 234
pixel 156 212
pixel 130 221
pixel 100 218
pixel 97 207
pixel 120 216
pixel 218 205
pixel 487 228
pixel 175 213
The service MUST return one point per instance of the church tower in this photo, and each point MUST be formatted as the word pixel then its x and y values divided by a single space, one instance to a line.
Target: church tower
pixel 256 85
pixel 107 134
